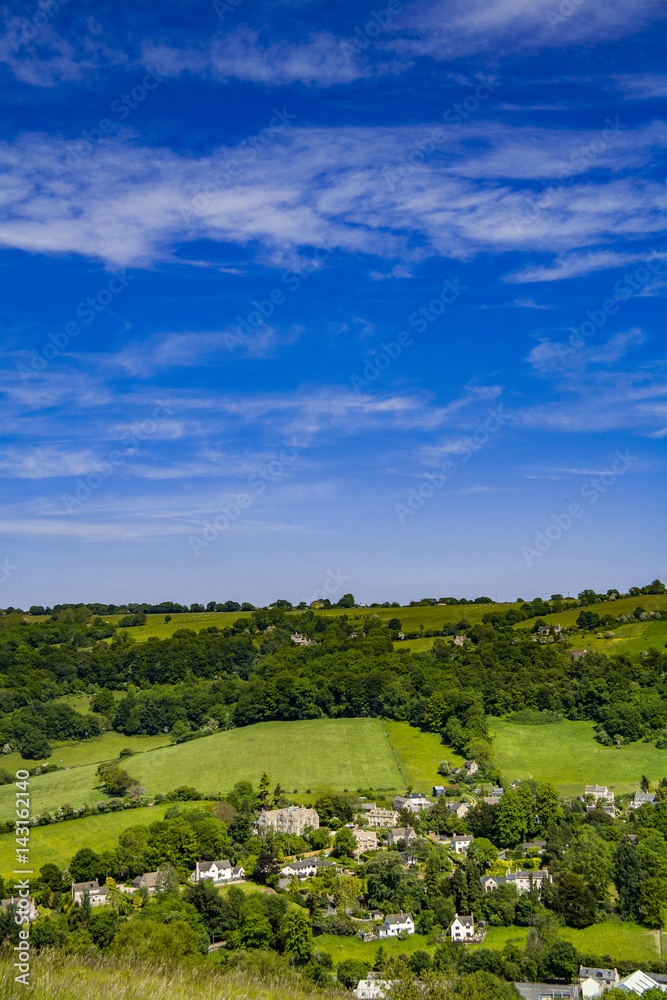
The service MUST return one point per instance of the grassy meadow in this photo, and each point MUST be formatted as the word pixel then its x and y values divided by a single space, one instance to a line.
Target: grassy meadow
pixel 342 948
pixel 55 976
pixel 632 638
pixel 411 618
pixel 620 939
pixel 617 938
pixel 419 754
pixel 58 842
pixel 344 753
pixel 104 747
pixel 622 606
pixel 566 754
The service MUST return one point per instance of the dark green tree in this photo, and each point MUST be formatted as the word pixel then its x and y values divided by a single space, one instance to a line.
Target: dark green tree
pixel 627 876
pixel 577 902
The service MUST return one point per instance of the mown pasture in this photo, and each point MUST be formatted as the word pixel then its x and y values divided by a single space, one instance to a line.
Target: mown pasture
pixel 343 753
pixel 566 754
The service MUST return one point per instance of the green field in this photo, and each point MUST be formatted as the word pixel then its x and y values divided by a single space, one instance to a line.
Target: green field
pixel 344 753
pixel 617 938
pixel 411 618
pixel 341 948
pixel 419 755
pixel 428 616
pixel 632 638
pixel 58 842
pixel 566 754
pixel 622 606
pixel 415 645
pixel 156 625
pixel 104 747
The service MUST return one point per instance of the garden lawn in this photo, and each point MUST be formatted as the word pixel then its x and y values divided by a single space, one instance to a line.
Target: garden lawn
pixel 58 842
pixel 566 754
pixel 618 938
pixel 343 753
pixel 419 755
pixel 498 937
pixel 342 948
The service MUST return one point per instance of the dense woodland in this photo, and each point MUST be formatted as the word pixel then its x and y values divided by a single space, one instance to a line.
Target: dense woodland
pixel 192 684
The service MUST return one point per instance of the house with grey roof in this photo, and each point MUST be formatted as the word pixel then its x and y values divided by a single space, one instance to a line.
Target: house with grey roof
pixel 523 880
pixel 547 991
pixel 643 799
pixel 395 923
pixel 399 834
pixel 149 880
pixel 217 871
pixel 307 868
pixel 594 981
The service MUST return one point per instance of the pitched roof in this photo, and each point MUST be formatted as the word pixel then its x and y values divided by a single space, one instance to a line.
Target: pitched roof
pixel 397 918
pixel 585 972
pixel 638 982
pixel 85 886
pixel 467 921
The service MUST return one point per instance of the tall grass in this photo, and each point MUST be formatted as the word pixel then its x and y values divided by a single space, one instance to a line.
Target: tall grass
pixel 56 976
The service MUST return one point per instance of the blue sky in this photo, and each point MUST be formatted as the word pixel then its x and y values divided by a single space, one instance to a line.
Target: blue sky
pixel 310 297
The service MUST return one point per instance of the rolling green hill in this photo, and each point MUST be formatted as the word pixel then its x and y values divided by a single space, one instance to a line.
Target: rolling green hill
pixel 566 754
pixel 56 843
pixel 622 606
pixel 344 753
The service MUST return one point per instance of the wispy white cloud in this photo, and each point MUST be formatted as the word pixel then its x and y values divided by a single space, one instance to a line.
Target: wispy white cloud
pixel 441 31
pixel 576 265
pixel 642 86
pixel 161 352
pixel 318 60
pixel 319 187
pixel 446 29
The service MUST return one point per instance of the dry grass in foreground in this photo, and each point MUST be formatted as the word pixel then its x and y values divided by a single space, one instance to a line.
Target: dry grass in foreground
pixel 56 976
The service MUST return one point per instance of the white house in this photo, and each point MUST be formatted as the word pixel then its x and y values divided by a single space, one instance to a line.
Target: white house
pixel 97 894
pixel 307 868
pixel 523 880
pixel 395 923
pixel 414 802
pixel 463 928
pixel 460 844
pixel 471 767
pixel 593 982
pixel 217 871
pixel 372 989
